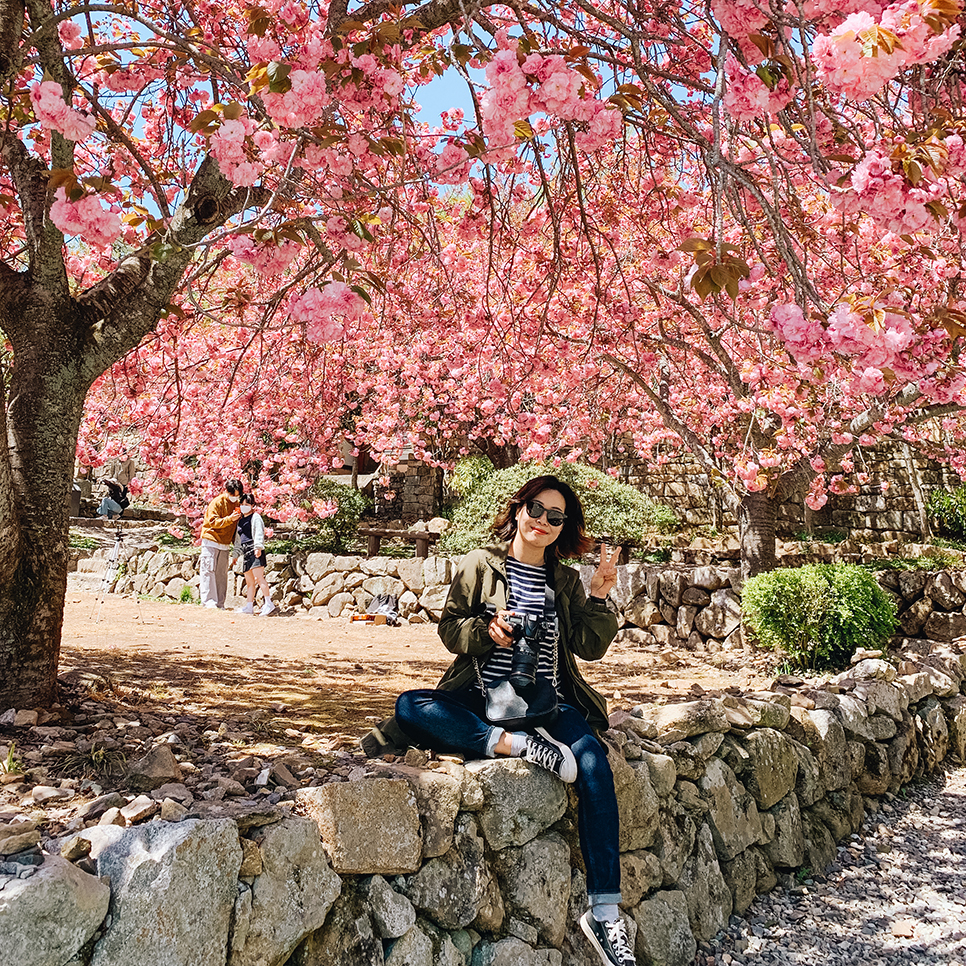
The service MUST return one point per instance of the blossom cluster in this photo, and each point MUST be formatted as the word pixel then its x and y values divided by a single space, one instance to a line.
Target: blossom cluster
pixel 85 218
pixel 541 84
pixel 326 311
pixel 748 97
pixel 54 113
pixel 862 54
pixel 228 146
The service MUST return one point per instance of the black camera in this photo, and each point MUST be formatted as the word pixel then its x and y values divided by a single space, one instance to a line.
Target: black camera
pixel 526 630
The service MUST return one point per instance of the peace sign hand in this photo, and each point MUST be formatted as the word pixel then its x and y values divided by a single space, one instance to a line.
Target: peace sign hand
pixel 605 576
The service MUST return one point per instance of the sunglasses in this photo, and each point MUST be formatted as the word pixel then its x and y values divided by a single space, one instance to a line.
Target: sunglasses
pixel 554 517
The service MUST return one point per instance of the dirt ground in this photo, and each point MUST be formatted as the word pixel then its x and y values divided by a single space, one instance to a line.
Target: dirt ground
pixel 332 677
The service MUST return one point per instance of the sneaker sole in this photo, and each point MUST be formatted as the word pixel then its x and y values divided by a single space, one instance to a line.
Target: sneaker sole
pixel 569 766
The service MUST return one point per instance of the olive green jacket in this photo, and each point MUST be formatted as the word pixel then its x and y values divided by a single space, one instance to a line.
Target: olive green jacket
pixel 480 588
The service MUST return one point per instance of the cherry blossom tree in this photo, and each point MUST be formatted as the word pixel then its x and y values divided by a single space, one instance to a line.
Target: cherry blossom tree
pixel 147 147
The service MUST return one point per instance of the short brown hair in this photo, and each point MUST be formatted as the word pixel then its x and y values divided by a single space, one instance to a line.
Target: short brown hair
pixel 572 542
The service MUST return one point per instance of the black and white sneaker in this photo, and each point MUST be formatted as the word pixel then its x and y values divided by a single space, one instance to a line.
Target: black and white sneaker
pixel 609 939
pixel 553 755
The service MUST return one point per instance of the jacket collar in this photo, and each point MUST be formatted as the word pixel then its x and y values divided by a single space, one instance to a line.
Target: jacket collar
pixel 496 558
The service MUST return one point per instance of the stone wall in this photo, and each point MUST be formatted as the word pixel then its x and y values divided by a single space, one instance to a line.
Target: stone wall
pixel 657 604
pixel 871 514
pixel 445 863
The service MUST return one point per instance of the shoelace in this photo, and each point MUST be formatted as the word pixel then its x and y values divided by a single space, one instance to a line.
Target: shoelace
pixel 617 936
pixel 541 754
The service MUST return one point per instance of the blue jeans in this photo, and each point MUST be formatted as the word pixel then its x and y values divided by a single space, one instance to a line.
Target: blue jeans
pixel 453 721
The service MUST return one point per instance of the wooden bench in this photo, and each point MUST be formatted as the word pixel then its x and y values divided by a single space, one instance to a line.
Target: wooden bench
pixel 422 538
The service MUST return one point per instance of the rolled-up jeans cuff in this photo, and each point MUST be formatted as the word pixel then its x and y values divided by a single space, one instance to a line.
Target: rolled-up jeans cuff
pixel 492 740
pixel 604 899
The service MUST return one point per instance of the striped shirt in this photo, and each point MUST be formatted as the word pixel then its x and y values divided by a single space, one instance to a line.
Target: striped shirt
pixel 528 595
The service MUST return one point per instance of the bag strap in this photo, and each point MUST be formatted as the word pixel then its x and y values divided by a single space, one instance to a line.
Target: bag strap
pixel 550 607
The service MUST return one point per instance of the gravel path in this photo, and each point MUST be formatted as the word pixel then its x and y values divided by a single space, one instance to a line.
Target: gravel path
pixel 895 895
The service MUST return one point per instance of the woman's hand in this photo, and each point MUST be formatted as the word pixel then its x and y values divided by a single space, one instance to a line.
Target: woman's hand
pixel 605 576
pixel 500 630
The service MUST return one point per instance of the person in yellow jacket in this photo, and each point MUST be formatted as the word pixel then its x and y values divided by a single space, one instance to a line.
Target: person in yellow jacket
pixel 217 537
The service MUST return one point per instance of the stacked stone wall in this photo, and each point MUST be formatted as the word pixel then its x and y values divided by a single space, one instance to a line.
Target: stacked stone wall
pixel 451 863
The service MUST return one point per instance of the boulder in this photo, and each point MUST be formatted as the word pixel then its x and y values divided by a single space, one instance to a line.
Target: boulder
pixel 637 804
pixel 732 812
pixel 535 881
pixel 640 873
pixel 944 593
pixel 675 722
pixel 771 768
pixel 520 800
pixel 933 733
pixel 158 873
pixel 875 776
pixel 458 888
pixel 664 936
pixel 392 913
pixel 763 709
pixel 707 894
pixel 438 798
pixel 46 919
pixel 955 709
pixel 824 736
pixel 787 847
pixel 721 616
pixel 347 812
pixel 347 938
pixel 284 908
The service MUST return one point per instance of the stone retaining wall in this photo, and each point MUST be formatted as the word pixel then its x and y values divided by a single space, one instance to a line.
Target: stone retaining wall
pixel 658 604
pixel 443 863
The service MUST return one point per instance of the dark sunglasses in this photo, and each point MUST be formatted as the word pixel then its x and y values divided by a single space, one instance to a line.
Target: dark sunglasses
pixel 554 517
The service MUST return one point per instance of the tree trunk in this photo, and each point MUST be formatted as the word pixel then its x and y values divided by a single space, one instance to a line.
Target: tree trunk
pixel 757 514
pixel 46 397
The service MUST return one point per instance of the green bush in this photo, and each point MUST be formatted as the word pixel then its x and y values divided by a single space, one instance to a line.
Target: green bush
pixel 611 508
pixel 469 473
pixel 335 533
pixel 818 614
pixel 947 510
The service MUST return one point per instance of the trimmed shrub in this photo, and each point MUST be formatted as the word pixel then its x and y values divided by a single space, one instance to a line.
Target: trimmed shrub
pixel 818 614
pixel 947 510
pixel 336 533
pixel 469 473
pixel 611 508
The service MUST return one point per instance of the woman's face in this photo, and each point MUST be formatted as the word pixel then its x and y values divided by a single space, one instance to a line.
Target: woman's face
pixel 538 533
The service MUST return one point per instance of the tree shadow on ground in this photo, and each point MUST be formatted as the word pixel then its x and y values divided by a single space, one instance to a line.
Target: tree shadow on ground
pixel 321 694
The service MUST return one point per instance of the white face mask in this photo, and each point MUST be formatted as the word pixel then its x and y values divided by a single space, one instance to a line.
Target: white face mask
pixel 246 508
pixel 233 498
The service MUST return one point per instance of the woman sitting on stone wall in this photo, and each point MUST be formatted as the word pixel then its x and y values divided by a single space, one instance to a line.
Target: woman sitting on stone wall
pixel 495 589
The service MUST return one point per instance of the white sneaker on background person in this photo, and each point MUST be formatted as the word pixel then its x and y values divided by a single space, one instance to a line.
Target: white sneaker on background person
pixel 246 609
pixel 267 608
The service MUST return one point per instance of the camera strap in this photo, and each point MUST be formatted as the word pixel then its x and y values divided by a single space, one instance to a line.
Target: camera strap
pixel 550 607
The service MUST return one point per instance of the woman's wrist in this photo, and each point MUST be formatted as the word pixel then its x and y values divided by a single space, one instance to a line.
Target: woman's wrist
pixel 596 599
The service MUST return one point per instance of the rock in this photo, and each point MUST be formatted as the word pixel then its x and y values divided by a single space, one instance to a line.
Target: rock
pixel 100 805
pixel 438 798
pixel 18 842
pixel 771 768
pixel 672 584
pixel 415 948
pixel 944 593
pixel 156 768
pixel 25 719
pixel 392 914
pixel 944 627
pixel 933 733
pixel 458 888
pixel 251 862
pixel 346 813
pixel 808 785
pixel 139 809
pixel 664 936
pixel 824 735
pixel 508 952
pixel 47 918
pixel 642 612
pixel 285 907
pixel 640 873
pixel 673 841
pixel 338 603
pixel 637 803
pixel 662 772
pixel 42 794
pixel 521 800
pixel 535 880
pixel 875 775
pixel 748 711
pixel 158 872
pixel 346 939
pixel 707 894
pixel 748 874
pixel 873 669
pixel 732 814
pixel 787 847
pixel 721 616
pixel 674 722
pixel 955 709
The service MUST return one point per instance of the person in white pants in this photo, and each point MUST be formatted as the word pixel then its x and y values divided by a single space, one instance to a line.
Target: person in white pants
pixel 217 537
